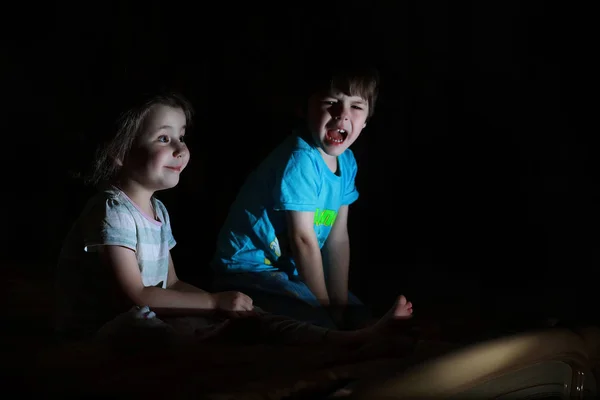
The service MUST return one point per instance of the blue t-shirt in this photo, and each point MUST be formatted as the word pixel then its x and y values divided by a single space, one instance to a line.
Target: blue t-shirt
pixel 294 177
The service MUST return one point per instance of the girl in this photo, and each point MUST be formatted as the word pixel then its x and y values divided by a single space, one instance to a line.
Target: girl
pixel 117 255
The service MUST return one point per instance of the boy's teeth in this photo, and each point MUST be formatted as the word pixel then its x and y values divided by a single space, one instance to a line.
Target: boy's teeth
pixel 336 135
pixel 335 140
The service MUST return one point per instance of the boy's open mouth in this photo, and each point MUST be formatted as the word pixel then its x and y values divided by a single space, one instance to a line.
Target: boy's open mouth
pixel 336 136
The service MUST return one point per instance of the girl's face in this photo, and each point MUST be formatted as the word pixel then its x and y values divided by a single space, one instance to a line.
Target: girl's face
pixel 159 154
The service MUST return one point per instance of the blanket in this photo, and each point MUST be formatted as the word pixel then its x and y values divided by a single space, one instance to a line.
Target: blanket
pixel 211 371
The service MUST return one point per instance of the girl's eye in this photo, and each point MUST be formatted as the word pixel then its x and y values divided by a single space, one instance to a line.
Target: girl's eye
pixel 182 139
pixel 163 139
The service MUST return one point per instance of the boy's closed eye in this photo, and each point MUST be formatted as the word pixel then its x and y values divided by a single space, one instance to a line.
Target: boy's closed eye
pixel 358 106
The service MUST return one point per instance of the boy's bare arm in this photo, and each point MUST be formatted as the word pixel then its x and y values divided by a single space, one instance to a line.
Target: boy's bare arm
pixel 336 256
pixel 307 254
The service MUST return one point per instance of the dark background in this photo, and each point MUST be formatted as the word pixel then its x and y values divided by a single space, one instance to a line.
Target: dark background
pixel 477 174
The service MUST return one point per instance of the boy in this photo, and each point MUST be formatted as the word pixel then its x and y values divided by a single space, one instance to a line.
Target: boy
pixel 285 241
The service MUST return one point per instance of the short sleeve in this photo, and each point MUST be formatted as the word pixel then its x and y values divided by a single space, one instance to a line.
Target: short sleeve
pixel 163 214
pixel 297 188
pixel 350 191
pixel 109 223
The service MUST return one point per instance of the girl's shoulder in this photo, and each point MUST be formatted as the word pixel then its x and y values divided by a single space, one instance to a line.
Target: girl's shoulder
pixel 107 203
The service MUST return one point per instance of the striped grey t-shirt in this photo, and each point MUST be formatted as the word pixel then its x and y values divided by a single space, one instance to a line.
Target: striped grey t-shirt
pixel 87 292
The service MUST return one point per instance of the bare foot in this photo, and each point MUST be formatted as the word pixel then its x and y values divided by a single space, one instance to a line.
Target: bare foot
pixel 386 336
pixel 402 310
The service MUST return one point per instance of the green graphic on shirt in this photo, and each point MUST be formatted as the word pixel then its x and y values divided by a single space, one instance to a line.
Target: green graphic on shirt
pixel 325 217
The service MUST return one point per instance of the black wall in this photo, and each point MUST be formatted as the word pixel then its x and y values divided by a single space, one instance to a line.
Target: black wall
pixel 477 174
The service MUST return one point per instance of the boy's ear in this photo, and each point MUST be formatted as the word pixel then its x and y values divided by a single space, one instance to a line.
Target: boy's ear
pixel 300 107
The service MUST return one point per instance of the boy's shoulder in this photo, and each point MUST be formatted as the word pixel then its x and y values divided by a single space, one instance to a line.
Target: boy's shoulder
pixel 296 152
pixel 300 143
pixel 347 157
pixel 293 146
pixel 296 142
pixel 297 146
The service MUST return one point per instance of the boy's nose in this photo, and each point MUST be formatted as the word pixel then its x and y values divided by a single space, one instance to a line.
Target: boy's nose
pixel 342 113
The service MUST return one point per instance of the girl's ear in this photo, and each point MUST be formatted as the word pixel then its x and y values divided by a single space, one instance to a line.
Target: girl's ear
pixel 118 162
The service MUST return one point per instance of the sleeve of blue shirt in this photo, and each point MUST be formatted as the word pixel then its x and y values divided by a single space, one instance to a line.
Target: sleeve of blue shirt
pixel 297 185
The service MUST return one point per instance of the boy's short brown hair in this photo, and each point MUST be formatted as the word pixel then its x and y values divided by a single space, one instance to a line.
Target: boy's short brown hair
pixel 353 80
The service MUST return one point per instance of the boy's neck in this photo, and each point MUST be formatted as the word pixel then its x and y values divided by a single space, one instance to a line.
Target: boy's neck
pixel 331 161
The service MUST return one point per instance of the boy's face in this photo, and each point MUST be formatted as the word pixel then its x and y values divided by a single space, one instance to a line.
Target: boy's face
pixel 335 120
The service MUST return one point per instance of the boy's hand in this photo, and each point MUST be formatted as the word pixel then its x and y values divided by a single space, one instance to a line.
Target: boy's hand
pixel 233 302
